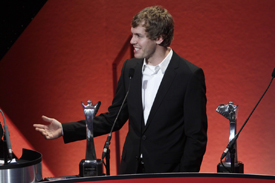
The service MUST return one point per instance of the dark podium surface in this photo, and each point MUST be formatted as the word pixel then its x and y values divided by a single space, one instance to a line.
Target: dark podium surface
pixel 171 177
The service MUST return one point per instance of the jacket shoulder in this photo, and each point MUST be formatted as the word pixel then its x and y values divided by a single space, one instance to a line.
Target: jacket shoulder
pixel 184 64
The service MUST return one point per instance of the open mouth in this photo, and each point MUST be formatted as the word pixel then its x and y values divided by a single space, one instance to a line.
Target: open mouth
pixel 136 50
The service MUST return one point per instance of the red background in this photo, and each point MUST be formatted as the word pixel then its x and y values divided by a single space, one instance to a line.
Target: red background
pixel 65 56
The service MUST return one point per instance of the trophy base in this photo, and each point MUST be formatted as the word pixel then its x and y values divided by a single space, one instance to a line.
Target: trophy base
pixel 90 168
pixel 238 167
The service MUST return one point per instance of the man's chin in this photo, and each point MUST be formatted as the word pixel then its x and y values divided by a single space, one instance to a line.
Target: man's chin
pixel 138 56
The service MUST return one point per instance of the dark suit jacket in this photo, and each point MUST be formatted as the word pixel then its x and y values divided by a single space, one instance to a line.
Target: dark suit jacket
pixel 174 138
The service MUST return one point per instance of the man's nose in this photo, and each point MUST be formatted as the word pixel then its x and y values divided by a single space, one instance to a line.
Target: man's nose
pixel 133 40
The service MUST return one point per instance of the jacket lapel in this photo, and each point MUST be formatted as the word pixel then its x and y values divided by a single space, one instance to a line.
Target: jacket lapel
pixel 136 88
pixel 166 82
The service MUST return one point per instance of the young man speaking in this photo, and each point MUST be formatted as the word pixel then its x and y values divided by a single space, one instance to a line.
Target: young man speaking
pixel 166 105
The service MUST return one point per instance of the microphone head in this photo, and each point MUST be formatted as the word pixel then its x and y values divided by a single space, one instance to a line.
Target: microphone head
pixel 131 73
pixel 97 107
pixel 273 73
pixel 1 131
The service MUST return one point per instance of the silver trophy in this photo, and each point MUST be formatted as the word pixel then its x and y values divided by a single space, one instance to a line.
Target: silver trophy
pixel 91 166
pixel 230 111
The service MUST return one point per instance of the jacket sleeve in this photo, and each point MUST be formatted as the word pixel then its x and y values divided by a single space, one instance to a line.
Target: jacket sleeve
pixel 195 123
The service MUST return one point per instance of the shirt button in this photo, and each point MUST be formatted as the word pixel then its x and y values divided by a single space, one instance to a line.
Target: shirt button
pixel 144 137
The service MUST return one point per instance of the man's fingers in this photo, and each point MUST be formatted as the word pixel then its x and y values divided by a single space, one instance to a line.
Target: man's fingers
pixel 49 136
pixel 40 129
pixel 49 131
pixel 38 126
pixel 47 119
pixel 44 133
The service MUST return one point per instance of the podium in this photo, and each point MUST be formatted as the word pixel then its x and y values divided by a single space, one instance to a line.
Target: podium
pixel 171 177
pixel 26 169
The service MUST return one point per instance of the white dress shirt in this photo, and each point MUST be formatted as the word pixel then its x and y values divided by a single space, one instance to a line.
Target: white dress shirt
pixel 151 79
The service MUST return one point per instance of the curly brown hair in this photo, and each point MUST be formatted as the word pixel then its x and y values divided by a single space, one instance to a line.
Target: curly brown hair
pixel 157 22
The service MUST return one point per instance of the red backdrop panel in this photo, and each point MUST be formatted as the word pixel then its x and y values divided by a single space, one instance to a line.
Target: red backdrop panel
pixel 65 56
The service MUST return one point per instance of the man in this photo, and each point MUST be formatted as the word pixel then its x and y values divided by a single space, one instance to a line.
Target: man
pixel 166 105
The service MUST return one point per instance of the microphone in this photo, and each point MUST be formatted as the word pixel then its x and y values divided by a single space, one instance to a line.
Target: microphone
pixel 108 141
pixel 97 107
pixel 233 141
pixel 132 72
pixel 7 138
pixel 1 131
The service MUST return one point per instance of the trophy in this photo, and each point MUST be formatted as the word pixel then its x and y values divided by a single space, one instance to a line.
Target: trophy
pixel 230 111
pixel 90 166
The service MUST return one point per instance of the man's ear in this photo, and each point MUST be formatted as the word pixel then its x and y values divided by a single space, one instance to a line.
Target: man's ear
pixel 159 40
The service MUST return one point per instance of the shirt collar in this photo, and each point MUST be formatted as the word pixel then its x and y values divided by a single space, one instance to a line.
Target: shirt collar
pixel 164 63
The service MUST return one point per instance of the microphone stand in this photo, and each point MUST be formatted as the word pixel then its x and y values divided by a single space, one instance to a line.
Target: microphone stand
pixel 231 144
pixel 106 149
pixel 106 153
pixel 108 161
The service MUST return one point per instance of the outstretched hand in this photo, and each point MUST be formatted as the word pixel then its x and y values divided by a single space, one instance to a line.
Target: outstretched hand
pixel 52 130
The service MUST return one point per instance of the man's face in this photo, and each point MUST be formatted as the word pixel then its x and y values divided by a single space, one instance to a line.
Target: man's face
pixel 143 46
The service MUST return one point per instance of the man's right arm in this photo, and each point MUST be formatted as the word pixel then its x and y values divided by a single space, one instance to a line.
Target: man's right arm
pixel 74 131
